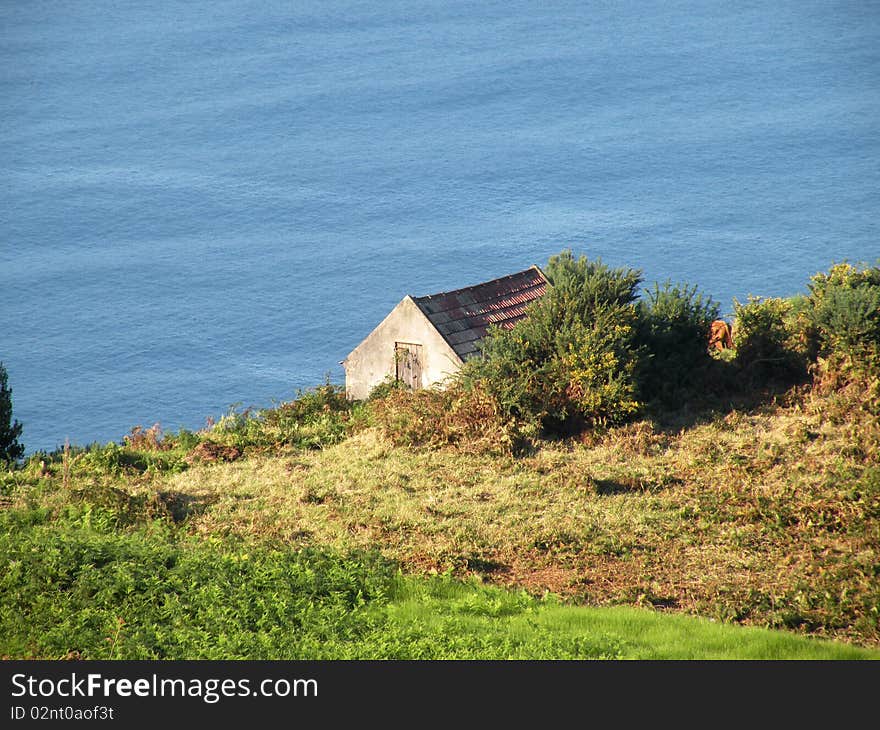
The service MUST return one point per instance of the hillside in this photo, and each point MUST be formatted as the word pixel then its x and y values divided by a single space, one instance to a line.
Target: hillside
pixel 596 453
pixel 765 517
pixel 770 517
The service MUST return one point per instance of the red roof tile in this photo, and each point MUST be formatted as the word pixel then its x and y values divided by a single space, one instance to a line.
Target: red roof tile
pixel 464 315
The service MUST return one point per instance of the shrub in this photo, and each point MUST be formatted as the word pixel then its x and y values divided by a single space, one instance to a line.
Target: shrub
pixel 849 320
pixel 834 331
pixel 572 361
pixel 109 459
pixel 766 340
pixel 146 439
pixel 801 327
pixel 315 418
pixel 10 449
pixel 386 387
pixel 237 428
pixel 468 418
pixel 845 312
pixel 674 330
pixel 114 460
pixel 184 440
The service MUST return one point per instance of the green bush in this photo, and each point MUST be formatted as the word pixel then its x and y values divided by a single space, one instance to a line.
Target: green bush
pixel 800 324
pixel 846 315
pixel 114 460
pixel 849 320
pixel 833 332
pixel 674 330
pixel 184 439
pixel 572 362
pixel 10 430
pixel 316 418
pixel 386 387
pixel 767 340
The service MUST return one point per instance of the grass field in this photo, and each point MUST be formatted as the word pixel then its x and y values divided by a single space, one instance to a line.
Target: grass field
pixel 653 540
pixel 77 587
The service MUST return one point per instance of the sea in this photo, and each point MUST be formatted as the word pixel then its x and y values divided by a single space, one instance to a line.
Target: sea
pixel 205 206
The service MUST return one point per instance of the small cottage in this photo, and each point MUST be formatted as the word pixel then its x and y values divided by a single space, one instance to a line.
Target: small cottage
pixel 424 340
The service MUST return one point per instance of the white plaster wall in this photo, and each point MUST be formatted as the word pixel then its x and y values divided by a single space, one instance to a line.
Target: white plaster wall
pixel 372 361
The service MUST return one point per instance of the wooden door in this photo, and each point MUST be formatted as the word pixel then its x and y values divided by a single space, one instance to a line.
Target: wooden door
pixel 408 364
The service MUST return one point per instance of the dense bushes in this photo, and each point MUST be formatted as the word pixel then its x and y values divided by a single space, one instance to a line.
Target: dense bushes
pixel 468 418
pixel 114 460
pixel 833 329
pixel 315 418
pixel 590 354
pixel 674 330
pixel 767 340
pixel 846 315
pixel 574 359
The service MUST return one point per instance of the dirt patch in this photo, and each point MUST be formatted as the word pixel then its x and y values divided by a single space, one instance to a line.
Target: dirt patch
pixel 209 451
pixel 537 580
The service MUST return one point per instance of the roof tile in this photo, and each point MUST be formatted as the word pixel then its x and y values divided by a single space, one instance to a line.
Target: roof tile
pixel 462 316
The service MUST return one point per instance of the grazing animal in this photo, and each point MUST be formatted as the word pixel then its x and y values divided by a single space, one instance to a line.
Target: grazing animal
pixel 720 336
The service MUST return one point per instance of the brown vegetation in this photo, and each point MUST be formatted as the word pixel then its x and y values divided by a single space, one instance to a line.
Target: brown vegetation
pixel 765 517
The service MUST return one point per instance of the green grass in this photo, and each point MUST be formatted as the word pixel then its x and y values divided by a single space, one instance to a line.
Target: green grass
pixel 502 624
pixel 75 584
pixel 265 538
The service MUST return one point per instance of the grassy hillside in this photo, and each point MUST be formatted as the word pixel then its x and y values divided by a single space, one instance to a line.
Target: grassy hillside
pixel 189 546
pixel 597 454
pixel 78 587
pixel 767 517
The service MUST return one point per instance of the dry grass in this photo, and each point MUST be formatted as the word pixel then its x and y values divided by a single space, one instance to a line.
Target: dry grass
pixel 766 518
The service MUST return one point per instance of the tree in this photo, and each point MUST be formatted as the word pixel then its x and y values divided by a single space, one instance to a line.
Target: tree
pixel 10 430
pixel 572 362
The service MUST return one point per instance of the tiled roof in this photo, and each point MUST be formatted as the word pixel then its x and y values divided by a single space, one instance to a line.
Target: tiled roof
pixel 464 315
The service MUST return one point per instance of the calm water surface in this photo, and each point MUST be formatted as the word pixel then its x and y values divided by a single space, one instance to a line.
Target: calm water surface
pixel 212 203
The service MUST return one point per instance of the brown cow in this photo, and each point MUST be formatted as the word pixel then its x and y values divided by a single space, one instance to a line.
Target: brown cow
pixel 720 337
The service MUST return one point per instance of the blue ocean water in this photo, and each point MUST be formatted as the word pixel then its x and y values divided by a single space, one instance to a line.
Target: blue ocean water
pixel 211 203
